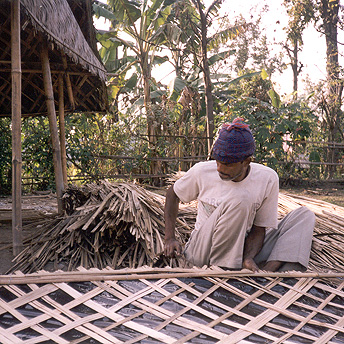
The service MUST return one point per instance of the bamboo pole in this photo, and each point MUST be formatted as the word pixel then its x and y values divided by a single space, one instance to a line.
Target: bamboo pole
pixel 137 274
pixel 16 128
pixel 48 88
pixel 62 131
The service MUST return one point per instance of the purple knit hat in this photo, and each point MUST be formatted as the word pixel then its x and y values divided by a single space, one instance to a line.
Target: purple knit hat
pixel 235 142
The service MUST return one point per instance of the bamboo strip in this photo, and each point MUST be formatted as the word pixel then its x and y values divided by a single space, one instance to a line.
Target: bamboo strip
pixel 163 324
pixel 301 292
pixel 255 298
pixel 75 276
pixel 325 338
pixel 167 315
pixel 100 208
pixel 7 338
pixel 229 311
pixel 48 334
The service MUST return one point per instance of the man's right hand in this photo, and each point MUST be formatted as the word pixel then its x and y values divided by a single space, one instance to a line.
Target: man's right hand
pixel 173 248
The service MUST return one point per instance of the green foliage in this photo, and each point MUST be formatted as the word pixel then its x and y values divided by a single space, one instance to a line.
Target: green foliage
pixel 37 159
pixel 272 122
pixel 300 13
pixel 37 153
pixel 5 156
pixel 252 51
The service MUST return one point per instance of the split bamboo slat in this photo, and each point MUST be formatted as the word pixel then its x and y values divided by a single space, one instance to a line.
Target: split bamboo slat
pixel 171 305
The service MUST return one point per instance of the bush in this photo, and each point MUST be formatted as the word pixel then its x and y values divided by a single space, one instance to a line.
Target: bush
pixel 5 156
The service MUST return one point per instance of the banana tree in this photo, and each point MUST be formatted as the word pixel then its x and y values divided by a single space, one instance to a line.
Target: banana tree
pixel 137 26
pixel 194 20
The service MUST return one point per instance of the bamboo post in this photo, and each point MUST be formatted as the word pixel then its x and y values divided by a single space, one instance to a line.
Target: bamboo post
pixel 62 132
pixel 48 88
pixel 16 128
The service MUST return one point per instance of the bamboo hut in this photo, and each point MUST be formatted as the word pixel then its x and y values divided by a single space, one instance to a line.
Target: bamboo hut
pixel 48 64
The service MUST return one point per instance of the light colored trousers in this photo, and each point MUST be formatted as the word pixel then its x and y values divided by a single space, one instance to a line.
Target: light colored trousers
pixel 220 241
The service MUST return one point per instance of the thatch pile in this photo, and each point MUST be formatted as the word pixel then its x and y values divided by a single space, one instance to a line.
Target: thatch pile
pixel 327 254
pixel 121 225
pixel 118 225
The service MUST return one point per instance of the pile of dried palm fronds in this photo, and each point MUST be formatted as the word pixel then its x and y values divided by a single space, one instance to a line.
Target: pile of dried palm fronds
pixel 118 225
pixel 327 252
pixel 121 225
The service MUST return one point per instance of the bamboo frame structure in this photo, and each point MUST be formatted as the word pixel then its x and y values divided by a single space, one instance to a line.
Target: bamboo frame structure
pixel 165 304
pixel 67 26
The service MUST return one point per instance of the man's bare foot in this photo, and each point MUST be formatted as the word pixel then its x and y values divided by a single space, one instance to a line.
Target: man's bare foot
pixel 250 264
pixel 272 266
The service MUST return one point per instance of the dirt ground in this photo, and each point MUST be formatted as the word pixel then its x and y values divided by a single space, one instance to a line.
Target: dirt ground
pixel 38 207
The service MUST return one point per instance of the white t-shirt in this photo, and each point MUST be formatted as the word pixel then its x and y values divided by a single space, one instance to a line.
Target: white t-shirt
pixel 259 190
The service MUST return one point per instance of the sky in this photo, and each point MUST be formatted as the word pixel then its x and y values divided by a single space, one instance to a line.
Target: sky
pixel 274 20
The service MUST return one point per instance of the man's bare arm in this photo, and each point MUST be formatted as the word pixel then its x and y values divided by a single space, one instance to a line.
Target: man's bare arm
pixel 172 245
pixel 253 244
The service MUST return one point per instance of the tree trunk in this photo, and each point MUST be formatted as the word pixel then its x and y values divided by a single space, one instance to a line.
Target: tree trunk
pixel 151 122
pixel 329 14
pixel 294 61
pixel 295 69
pixel 206 77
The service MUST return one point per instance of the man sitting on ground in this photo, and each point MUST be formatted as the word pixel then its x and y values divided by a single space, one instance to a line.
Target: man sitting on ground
pixel 236 225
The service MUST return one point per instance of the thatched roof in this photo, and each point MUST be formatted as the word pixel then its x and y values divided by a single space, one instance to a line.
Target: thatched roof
pixel 67 26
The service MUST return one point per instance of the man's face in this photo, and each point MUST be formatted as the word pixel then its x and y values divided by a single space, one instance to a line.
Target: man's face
pixel 233 171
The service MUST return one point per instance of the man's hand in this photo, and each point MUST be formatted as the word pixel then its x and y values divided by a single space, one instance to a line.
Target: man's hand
pixel 250 264
pixel 173 248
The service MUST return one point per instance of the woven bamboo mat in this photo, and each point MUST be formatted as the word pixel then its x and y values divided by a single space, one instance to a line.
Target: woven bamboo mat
pixel 171 306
